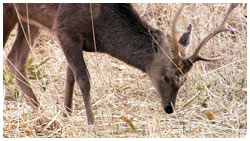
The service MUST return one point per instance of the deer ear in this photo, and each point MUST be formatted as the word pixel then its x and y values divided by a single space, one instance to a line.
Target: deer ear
pixel 186 37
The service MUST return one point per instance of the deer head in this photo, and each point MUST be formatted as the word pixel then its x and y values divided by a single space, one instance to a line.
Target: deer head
pixel 170 65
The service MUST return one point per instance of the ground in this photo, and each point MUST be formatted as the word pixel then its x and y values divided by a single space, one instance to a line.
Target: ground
pixel 212 102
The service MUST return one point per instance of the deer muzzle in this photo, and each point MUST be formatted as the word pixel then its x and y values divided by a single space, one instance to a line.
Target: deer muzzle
pixel 169 108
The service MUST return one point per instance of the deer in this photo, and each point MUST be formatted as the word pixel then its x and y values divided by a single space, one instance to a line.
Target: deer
pixel 114 29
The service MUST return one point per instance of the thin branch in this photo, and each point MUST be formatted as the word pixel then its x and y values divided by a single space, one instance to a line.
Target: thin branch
pixel 92 21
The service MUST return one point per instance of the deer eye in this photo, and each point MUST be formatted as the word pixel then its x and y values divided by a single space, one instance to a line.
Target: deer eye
pixel 166 79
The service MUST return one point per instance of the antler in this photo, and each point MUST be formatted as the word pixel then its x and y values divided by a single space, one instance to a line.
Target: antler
pixel 176 46
pixel 196 57
pixel 222 28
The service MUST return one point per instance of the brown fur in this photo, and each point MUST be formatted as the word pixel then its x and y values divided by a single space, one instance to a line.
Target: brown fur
pixel 119 32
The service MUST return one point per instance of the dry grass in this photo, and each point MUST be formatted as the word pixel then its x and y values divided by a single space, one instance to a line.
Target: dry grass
pixel 212 102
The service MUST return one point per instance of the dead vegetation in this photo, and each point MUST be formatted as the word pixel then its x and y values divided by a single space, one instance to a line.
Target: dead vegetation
pixel 212 103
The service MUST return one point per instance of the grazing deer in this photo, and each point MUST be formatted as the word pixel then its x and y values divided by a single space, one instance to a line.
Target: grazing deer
pixel 115 29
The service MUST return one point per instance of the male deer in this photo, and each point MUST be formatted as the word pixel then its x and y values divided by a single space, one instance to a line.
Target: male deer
pixel 118 31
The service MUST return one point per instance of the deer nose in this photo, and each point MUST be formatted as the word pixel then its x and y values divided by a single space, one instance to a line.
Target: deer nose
pixel 169 109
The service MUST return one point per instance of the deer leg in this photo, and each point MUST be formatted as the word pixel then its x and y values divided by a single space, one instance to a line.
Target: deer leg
pixel 72 49
pixel 17 59
pixel 9 20
pixel 69 87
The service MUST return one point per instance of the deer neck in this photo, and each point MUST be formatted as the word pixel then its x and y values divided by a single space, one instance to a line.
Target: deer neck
pixel 124 36
pixel 136 53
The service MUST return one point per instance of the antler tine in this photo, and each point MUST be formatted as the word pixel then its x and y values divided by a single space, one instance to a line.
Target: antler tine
pixel 175 42
pixel 209 59
pixel 222 28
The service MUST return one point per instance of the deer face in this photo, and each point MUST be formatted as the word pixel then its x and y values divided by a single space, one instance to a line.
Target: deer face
pixel 167 80
pixel 167 74
pixel 170 64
